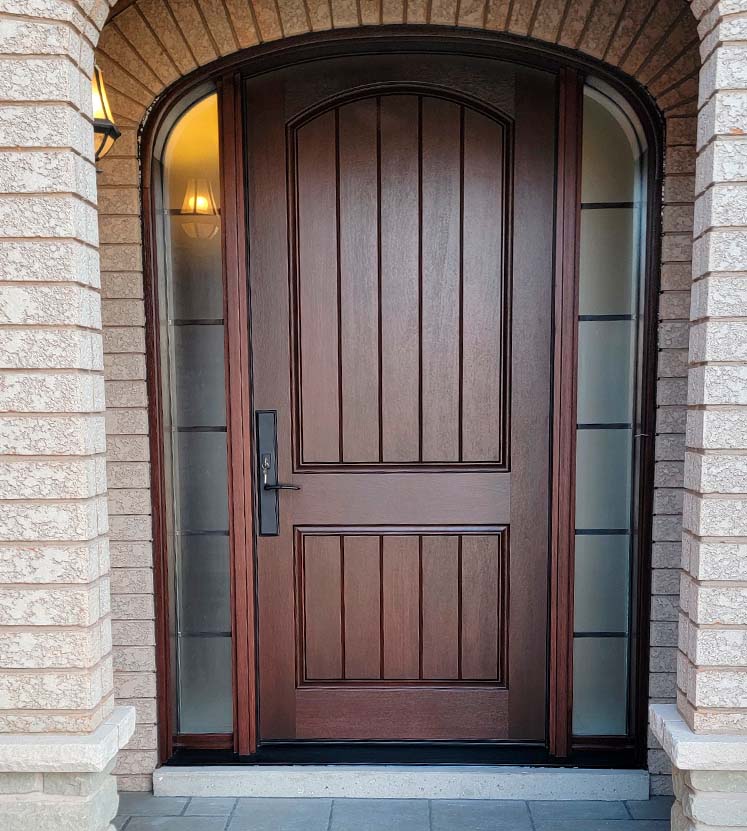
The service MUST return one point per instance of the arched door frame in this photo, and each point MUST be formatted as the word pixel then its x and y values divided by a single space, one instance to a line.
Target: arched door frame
pixel 226 76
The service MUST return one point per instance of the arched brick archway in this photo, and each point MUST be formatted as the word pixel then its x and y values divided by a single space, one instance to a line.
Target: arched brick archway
pixel 147 45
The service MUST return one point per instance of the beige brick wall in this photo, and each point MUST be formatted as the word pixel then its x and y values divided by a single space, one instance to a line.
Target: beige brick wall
pixel 154 42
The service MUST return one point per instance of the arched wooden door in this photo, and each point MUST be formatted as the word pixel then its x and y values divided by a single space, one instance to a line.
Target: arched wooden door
pixel 400 216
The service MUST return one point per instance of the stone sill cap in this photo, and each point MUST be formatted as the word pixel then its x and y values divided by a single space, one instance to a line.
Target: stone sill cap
pixel 696 751
pixel 55 753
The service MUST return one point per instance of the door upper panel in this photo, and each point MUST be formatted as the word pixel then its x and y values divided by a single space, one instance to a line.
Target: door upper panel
pixel 399 211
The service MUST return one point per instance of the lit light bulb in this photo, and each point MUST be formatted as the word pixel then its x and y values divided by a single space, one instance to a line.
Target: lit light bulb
pixel 199 202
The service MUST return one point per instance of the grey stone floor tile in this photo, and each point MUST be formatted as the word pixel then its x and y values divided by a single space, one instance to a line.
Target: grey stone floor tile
pixel 599 825
pixel 176 824
pixel 119 822
pixel 210 806
pixel 281 815
pixel 147 805
pixel 479 815
pixel 380 815
pixel 658 807
pixel 542 810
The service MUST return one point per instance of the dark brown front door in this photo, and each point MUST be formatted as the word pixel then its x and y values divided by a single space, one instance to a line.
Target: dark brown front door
pixel 400 235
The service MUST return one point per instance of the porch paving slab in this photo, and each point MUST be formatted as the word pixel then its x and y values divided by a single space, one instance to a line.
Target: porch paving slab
pixel 143 812
pixel 602 825
pixel 280 815
pixel 545 810
pixel 479 815
pixel 658 807
pixel 210 806
pixel 176 824
pixel 147 805
pixel 380 815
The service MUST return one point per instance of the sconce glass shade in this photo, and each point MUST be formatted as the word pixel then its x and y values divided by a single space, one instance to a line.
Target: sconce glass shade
pixel 105 131
pixel 199 201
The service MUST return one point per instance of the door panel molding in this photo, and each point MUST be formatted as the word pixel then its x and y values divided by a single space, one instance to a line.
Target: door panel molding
pixel 437 434
pixel 364 572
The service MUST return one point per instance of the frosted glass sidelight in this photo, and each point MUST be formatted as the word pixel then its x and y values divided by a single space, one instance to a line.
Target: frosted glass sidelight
pixel 603 462
pixel 198 291
pixel 203 502
pixel 205 697
pixel 608 147
pixel 605 371
pixel 602 583
pixel 600 684
pixel 204 604
pixel 608 416
pixel 199 385
pixel 607 262
pixel 191 333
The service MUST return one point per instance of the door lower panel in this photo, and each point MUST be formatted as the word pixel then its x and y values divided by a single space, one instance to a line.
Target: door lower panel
pixel 406 714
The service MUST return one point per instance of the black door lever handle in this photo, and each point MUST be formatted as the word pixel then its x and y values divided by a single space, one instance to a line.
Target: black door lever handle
pixel 280 487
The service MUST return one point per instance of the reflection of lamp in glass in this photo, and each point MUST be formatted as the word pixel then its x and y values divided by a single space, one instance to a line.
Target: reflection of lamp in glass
pixel 105 131
pixel 199 202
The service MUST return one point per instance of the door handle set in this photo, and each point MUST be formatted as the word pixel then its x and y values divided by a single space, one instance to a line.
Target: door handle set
pixel 268 507
pixel 267 466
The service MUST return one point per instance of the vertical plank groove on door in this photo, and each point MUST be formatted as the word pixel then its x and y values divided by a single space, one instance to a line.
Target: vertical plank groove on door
pixel 323 606
pixel 361 580
pixel 358 275
pixel 482 295
pixel 440 636
pixel 401 612
pixel 317 289
pixel 440 300
pixel 400 236
pixel 420 307
pixel 379 329
pixel 460 337
pixel 340 402
pixel 480 606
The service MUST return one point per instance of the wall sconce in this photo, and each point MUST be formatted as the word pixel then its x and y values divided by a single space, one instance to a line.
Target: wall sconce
pixel 199 202
pixel 105 131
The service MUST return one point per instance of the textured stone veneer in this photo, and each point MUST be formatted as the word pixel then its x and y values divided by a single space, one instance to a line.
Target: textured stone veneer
pixel 707 739
pixel 710 774
pixel 154 42
pixel 58 732
pixel 62 783
pixel 712 669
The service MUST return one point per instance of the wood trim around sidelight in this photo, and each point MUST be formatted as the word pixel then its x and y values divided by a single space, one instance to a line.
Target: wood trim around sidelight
pixel 238 410
pixel 227 76
pixel 567 221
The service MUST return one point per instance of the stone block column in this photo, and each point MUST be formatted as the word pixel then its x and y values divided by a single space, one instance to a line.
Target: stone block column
pixel 706 734
pixel 59 730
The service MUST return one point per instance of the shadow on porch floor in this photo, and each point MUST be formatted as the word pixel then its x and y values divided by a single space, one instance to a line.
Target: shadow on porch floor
pixel 143 812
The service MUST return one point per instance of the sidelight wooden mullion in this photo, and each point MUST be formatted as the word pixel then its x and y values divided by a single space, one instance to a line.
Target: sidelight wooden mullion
pixel 564 409
pixel 238 406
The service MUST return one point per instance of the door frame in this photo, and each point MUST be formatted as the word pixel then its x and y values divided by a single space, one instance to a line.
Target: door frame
pixel 226 76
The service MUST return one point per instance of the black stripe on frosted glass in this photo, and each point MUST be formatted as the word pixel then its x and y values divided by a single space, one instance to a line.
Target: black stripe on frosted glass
pixel 204 634
pixel 197 321
pixel 187 532
pixel 605 317
pixel 602 426
pixel 590 206
pixel 600 634
pixel 200 429
pixel 602 532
